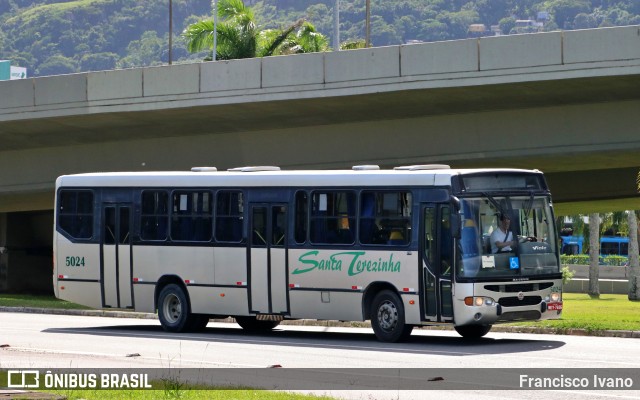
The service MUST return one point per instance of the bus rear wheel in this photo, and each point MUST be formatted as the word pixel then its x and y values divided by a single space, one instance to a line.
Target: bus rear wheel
pixel 387 319
pixel 251 324
pixel 473 331
pixel 173 309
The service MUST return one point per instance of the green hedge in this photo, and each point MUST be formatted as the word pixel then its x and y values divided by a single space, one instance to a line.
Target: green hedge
pixel 583 259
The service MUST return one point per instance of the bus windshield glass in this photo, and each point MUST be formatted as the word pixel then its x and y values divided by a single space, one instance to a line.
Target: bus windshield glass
pixel 507 237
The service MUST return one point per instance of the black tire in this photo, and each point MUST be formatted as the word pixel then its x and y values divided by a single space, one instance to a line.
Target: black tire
pixel 387 318
pixel 473 331
pixel 251 324
pixel 173 309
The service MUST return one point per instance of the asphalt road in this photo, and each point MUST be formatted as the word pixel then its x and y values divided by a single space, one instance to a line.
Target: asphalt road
pixel 60 341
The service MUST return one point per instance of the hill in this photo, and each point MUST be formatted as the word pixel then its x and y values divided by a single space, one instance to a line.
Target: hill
pixel 65 36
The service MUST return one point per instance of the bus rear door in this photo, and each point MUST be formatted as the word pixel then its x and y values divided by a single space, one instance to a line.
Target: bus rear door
pixel 116 265
pixel 268 259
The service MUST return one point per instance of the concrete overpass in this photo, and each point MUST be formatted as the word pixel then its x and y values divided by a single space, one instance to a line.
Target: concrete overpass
pixel 564 102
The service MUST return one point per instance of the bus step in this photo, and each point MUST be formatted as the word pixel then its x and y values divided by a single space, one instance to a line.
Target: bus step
pixel 269 317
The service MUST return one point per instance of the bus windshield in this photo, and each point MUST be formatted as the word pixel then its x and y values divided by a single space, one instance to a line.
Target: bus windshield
pixel 507 237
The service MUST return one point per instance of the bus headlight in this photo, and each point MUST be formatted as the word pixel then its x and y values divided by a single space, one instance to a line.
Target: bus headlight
pixel 553 297
pixel 479 301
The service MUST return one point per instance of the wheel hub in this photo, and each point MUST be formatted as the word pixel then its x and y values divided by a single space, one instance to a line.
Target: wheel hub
pixel 172 308
pixel 387 316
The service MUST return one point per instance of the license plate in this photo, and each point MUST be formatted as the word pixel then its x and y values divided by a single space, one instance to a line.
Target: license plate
pixel 554 306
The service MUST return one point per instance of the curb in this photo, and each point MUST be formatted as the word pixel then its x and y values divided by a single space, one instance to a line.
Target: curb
pixel 310 322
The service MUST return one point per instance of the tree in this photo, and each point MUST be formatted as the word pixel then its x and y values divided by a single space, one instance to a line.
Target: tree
pixel 459 22
pixel 594 255
pixel 353 44
pixel 564 11
pixel 432 30
pixel 310 40
pixel 614 223
pixel 507 24
pixel 144 52
pixel 634 268
pixel 383 34
pixel 238 35
pixel 492 11
pixel 584 21
pixel 57 65
pixel 98 62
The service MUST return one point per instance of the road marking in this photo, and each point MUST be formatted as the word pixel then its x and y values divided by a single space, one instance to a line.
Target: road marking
pixel 122 356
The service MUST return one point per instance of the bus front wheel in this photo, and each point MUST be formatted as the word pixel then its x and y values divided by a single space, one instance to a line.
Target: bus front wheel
pixel 173 309
pixel 387 319
pixel 473 331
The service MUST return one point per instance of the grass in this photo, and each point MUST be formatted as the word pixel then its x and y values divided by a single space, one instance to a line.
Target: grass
pixel 171 389
pixel 195 394
pixel 609 312
pixel 21 300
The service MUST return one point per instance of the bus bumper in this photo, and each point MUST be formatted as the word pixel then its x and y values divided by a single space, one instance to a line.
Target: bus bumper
pixel 496 313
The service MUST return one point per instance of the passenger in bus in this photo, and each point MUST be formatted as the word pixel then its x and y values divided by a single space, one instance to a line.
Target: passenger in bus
pixel 502 237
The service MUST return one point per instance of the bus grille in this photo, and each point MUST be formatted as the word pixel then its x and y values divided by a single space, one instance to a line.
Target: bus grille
pixel 514 302
pixel 520 316
pixel 519 287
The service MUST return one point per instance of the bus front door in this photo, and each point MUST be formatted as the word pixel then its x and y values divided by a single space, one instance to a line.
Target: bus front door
pixel 436 250
pixel 115 271
pixel 267 277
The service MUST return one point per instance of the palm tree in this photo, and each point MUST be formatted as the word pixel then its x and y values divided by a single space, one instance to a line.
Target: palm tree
pixel 353 44
pixel 307 40
pixel 240 37
pixel 614 223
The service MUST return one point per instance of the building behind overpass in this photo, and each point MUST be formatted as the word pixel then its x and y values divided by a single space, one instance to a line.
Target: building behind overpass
pixel 563 102
pixel 9 72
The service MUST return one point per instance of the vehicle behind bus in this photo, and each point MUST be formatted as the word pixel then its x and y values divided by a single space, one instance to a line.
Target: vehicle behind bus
pixel 572 245
pixel 614 246
pixel 404 248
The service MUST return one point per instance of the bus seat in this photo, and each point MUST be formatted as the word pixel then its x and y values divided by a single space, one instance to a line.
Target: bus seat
pixel 396 238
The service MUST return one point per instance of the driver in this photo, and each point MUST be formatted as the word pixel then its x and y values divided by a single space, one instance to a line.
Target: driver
pixel 502 238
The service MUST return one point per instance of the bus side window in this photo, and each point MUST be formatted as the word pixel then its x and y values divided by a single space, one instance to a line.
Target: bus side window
pixel 75 213
pixel 191 216
pixel 301 219
pixel 229 211
pixel 385 218
pixel 333 217
pixel 154 215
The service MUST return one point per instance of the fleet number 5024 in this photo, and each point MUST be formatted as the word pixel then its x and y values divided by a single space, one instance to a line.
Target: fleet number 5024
pixel 74 261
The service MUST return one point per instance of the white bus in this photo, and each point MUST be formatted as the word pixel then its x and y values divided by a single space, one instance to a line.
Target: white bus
pixel 403 247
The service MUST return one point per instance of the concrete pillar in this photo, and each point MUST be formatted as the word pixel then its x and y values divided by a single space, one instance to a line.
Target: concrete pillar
pixel 3 252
